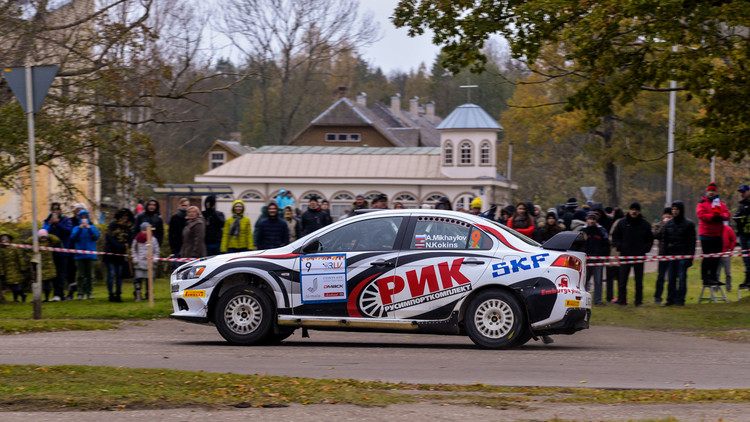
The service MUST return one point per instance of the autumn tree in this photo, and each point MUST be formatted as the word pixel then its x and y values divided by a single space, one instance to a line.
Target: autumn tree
pixel 289 44
pixel 620 49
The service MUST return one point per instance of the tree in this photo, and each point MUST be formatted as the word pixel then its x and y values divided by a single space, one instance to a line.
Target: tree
pixel 620 49
pixel 122 64
pixel 289 44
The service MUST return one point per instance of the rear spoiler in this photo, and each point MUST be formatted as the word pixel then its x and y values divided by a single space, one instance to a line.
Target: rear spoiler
pixel 565 241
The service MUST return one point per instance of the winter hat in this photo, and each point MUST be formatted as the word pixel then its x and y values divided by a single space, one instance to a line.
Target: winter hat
pixel 552 214
pixel 359 195
pixel 635 206
pixel 572 203
pixel 210 200
pixel 381 197
pixel 592 216
pixel 712 187
pixel 42 233
pixel 743 188
pixel 79 206
pixel 667 210
pixel 476 203
pixel 144 225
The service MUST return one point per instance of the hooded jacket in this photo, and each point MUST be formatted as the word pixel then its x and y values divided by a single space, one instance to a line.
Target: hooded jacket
pixel 85 238
pixel 711 216
pixel 152 218
pixel 13 265
pixel 214 222
pixel 678 235
pixel 243 239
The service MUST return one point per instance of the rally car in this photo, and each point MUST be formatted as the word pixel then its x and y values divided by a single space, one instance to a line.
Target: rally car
pixel 417 271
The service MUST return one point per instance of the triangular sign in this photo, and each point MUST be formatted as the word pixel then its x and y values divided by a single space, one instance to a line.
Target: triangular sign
pixel 41 79
pixel 588 192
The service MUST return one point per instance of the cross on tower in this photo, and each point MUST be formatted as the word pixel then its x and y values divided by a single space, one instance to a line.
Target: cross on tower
pixel 468 91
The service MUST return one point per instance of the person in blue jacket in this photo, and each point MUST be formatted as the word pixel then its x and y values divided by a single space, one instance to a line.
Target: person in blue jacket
pixel 85 235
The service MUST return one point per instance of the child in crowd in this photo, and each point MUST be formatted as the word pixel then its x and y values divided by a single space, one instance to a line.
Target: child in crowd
pixel 49 271
pixel 13 268
pixel 140 259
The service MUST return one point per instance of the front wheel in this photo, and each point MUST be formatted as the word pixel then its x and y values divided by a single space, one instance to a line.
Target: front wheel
pixel 494 320
pixel 244 315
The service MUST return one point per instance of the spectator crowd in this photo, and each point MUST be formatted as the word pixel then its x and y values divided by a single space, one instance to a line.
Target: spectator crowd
pixel 194 233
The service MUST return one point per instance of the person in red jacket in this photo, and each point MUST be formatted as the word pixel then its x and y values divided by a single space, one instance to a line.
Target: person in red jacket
pixel 712 213
pixel 521 221
pixel 725 262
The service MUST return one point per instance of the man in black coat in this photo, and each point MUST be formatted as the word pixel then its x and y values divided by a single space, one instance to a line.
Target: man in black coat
pixel 214 226
pixel 150 215
pixel 272 232
pixel 632 236
pixel 678 238
pixel 314 218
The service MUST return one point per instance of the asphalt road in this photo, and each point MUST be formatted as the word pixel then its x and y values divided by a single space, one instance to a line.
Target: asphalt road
pixel 599 357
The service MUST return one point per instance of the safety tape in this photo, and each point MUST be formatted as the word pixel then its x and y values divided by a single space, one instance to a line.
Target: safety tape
pixel 85 252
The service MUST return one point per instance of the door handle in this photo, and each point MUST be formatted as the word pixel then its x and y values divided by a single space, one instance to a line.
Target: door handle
pixel 472 261
pixel 382 263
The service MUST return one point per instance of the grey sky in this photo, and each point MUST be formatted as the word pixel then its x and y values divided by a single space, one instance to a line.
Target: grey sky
pixel 396 50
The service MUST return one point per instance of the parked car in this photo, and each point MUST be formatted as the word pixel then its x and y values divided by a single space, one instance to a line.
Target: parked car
pixel 418 271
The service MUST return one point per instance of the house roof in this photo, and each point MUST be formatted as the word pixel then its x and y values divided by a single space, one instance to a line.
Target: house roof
pixel 402 131
pixel 327 162
pixel 233 146
pixel 469 116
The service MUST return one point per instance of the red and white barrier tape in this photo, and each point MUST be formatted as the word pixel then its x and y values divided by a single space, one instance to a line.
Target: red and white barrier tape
pixel 85 252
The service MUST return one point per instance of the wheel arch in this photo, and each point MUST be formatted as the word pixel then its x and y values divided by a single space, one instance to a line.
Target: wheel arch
pixel 501 287
pixel 243 278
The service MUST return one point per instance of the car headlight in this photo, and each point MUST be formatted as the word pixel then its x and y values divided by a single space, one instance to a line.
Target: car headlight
pixel 192 272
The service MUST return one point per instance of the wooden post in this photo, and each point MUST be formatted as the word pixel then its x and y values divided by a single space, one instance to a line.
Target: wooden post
pixel 150 266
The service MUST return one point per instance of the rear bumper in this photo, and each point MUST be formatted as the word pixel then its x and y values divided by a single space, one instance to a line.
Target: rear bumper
pixel 574 320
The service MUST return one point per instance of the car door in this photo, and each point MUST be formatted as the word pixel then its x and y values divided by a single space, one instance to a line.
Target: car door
pixel 339 277
pixel 445 258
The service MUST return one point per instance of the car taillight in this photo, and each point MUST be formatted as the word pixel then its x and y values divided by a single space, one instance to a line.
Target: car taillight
pixel 568 261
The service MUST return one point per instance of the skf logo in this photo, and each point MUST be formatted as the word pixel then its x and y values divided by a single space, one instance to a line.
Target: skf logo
pixel 424 282
pixel 516 265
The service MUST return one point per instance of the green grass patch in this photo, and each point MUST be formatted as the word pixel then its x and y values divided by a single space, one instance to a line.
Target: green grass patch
pixel 29 387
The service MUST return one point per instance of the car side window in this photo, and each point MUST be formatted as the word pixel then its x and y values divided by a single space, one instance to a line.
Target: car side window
pixel 377 234
pixel 448 233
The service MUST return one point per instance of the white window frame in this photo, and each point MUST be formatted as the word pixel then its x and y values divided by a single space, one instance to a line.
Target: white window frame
pixel 485 153
pixel 348 137
pixel 468 159
pixel 216 162
pixel 448 154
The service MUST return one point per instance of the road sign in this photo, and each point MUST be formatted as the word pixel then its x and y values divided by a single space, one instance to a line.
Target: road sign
pixel 588 192
pixel 41 77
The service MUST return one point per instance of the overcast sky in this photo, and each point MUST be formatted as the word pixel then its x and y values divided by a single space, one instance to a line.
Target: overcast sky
pixel 396 50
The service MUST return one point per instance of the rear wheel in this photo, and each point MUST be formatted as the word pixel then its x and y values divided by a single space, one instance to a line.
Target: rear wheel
pixel 244 315
pixel 494 320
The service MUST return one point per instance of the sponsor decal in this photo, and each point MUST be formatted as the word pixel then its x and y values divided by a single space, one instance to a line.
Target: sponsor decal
pixel 194 293
pixel 562 280
pixel 569 303
pixel 440 241
pixel 515 265
pixel 419 240
pixel 425 285
pixel 562 291
pixel 323 278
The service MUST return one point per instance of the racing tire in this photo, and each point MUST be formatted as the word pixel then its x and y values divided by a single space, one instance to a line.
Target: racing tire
pixel 244 315
pixel 283 334
pixel 495 320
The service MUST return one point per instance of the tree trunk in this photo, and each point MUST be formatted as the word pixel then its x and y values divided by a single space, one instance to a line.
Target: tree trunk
pixel 606 132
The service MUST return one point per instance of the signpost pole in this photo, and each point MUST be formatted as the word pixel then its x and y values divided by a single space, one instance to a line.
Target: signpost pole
pixel 36 261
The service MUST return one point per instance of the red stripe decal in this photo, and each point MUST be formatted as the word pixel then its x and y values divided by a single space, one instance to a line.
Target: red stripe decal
pixel 499 236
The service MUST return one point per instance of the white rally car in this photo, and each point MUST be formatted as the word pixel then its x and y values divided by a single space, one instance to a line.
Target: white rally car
pixel 420 271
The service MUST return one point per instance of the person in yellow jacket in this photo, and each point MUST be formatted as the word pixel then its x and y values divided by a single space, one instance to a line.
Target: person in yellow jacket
pixel 238 233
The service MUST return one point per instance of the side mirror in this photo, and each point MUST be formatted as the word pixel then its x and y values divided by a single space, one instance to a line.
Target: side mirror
pixel 312 247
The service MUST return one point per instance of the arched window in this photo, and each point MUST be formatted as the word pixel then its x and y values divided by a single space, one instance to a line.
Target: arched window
pixel 406 199
pixel 341 203
pixel 223 197
pixel 370 195
pixel 432 198
pixel 251 196
pixel 305 201
pixel 485 153
pixel 463 201
pixel 448 153
pixel 465 151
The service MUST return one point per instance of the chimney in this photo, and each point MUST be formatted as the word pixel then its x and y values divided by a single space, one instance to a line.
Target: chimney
pixel 342 92
pixel 430 112
pixel 235 136
pixel 414 107
pixel 362 99
pixel 396 104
